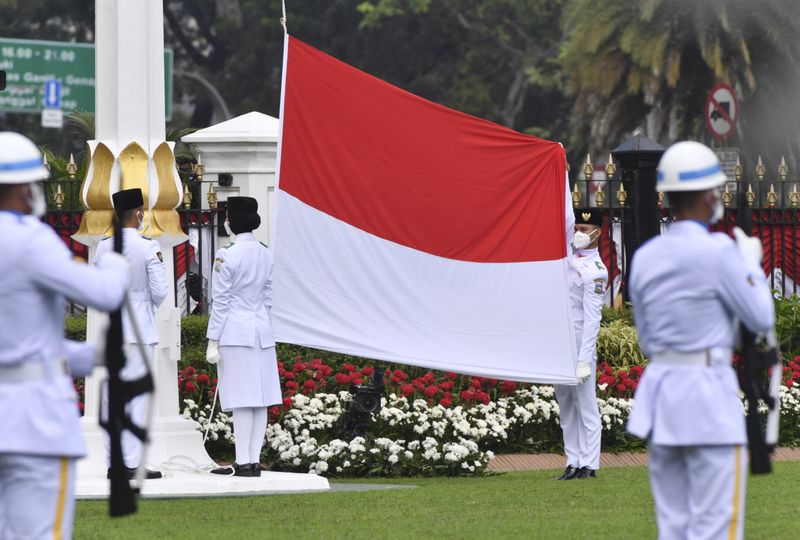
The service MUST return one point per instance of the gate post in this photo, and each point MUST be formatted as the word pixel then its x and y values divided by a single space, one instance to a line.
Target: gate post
pixel 638 159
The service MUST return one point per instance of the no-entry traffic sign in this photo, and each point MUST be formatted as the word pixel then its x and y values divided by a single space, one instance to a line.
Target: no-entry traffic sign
pixel 722 111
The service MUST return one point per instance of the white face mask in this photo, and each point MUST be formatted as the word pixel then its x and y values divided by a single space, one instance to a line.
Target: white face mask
pixel 37 201
pixel 581 240
pixel 718 211
pixel 228 229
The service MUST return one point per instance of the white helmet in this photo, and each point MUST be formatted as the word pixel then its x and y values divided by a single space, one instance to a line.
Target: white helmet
pixel 20 160
pixel 689 166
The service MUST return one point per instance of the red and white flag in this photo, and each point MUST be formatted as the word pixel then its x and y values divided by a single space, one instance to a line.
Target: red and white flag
pixel 412 233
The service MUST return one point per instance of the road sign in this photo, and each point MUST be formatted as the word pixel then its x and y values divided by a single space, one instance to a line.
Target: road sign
pixel 722 111
pixel 30 63
pixel 52 118
pixel 52 94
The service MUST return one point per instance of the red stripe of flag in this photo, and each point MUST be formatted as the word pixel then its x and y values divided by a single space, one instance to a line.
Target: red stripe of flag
pixel 416 173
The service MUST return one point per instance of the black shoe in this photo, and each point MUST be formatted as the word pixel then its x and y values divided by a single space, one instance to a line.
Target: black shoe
pixel 234 470
pixel 131 474
pixel 569 473
pixel 586 472
pixel 255 468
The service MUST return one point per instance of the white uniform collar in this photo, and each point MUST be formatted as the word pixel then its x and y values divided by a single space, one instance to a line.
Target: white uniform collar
pixel 245 237
pixel 586 252
pixel 688 226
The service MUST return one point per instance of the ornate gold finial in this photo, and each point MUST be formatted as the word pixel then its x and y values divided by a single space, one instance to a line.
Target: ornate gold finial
pixel 72 168
pixel 761 170
pixel 198 168
pixel 576 196
pixel 45 162
pixel 738 170
pixel 588 168
pixel 750 195
pixel 611 168
pixel 212 197
pixel 727 196
pixel 622 195
pixel 187 196
pixel 660 199
pixel 794 196
pixel 772 197
pixel 783 170
pixel 58 198
pixel 599 196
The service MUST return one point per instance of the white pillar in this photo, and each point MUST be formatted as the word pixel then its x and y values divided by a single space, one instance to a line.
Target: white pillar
pixel 130 151
pixel 246 147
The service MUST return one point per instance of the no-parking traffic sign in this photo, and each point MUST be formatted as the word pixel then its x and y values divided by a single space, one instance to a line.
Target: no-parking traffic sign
pixel 722 111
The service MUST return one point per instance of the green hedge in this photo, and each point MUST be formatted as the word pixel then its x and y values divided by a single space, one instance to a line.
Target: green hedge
pixel 617 342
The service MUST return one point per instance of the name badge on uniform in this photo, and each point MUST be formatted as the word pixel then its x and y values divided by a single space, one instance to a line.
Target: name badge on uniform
pixel 218 264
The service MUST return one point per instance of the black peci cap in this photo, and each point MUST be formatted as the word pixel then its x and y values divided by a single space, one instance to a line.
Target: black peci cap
pixel 242 204
pixel 243 214
pixel 127 199
pixel 588 216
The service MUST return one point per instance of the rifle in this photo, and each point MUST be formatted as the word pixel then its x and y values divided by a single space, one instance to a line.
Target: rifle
pixel 759 355
pixel 122 497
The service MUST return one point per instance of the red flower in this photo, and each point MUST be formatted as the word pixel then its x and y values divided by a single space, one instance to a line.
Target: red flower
pixel 316 363
pixel 190 387
pixel 288 375
pixel 399 375
pixel 491 382
pixel 356 380
pixel 298 367
pixel 309 386
pixel 349 367
pixel 450 375
pixel 475 382
pixel 287 403
pixel 326 370
pixel 446 402
pixel 446 385
pixel 407 390
pixel 291 385
pixel 622 374
pixel 621 388
pixel 367 371
pixel 342 378
pixel 508 387
pixel 467 395
pixel 483 397
pixel 419 383
pixel 190 370
pixel 203 379
pixel 431 391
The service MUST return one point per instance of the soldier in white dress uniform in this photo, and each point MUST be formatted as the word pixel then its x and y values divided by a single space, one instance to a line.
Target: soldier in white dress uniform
pixel 240 335
pixel 147 291
pixel 578 410
pixel 689 288
pixel 40 423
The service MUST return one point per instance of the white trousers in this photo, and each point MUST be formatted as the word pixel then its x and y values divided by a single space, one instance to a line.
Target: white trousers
pixel 580 422
pixel 136 408
pixel 249 428
pixel 699 491
pixel 37 497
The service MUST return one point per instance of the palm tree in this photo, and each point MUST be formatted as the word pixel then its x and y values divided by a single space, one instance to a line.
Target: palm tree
pixel 649 64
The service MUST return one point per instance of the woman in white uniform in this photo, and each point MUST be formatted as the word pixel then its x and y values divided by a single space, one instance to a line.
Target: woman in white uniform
pixel 240 335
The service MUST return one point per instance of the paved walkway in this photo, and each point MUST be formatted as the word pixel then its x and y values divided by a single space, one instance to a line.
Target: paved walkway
pixel 535 462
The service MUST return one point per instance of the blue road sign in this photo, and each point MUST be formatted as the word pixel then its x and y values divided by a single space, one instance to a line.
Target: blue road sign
pixel 52 94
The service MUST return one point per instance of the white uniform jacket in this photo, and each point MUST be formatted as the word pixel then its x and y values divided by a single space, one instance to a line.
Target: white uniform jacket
pixel 148 287
pixel 241 294
pixel 39 415
pixel 688 289
pixel 587 290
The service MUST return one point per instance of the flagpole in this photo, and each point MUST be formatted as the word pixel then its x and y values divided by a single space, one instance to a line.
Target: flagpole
pixel 283 19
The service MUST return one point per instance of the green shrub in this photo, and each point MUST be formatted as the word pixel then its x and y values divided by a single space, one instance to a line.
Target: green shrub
pixel 618 344
pixel 787 325
pixel 75 327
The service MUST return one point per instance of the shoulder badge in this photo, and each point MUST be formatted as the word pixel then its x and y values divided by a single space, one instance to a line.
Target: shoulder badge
pixel 229 244
pixel 599 286
pixel 599 265
pixel 218 264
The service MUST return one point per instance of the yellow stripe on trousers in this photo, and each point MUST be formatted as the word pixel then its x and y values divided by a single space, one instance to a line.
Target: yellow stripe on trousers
pixel 62 498
pixel 737 495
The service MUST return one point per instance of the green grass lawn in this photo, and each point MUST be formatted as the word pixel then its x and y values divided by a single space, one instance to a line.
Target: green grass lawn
pixel 616 505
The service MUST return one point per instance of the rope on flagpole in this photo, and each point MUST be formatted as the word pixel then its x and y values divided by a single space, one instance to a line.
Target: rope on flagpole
pixel 283 19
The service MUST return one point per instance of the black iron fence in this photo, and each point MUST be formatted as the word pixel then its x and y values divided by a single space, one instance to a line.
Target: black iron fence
pixel 772 199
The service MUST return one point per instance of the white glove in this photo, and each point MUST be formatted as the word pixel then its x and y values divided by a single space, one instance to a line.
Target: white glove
pixel 212 352
pixel 749 247
pixel 583 372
